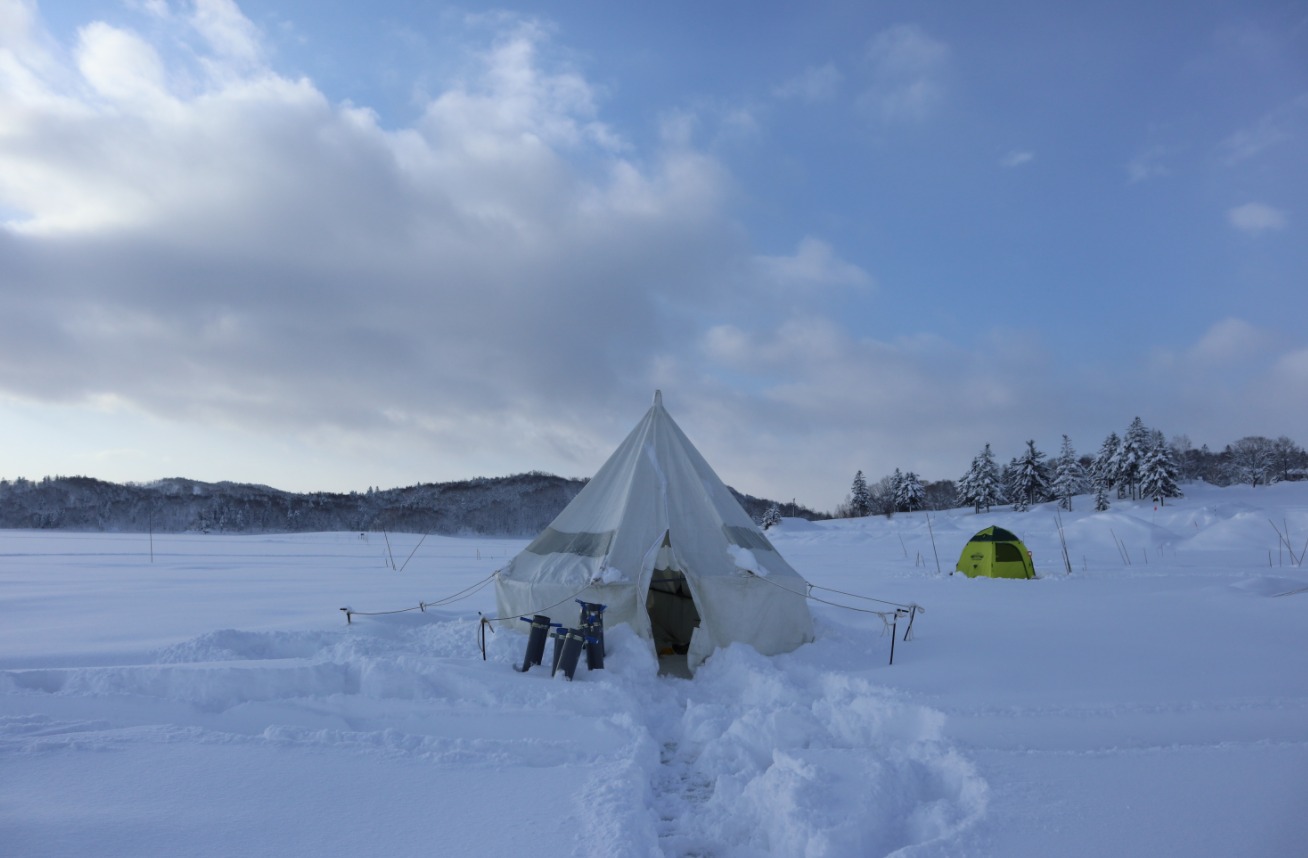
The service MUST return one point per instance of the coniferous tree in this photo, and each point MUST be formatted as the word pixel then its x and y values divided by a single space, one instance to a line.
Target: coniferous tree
pixel 1158 473
pixel 1101 497
pixel 1031 477
pixel 910 493
pixel 772 516
pixel 1008 478
pixel 895 489
pixel 1069 476
pixel 860 499
pixel 966 488
pixel 980 486
pixel 1130 457
pixel 1102 471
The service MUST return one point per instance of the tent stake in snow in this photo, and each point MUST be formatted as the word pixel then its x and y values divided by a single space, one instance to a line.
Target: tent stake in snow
pixel 481 633
pixel 894 633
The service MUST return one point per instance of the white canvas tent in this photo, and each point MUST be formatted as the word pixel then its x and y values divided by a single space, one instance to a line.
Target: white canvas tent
pixel 660 540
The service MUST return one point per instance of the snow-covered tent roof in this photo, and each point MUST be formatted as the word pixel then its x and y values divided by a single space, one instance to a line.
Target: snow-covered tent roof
pixel 660 540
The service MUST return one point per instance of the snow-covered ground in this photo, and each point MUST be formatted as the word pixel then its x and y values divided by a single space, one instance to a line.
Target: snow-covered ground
pixel 212 701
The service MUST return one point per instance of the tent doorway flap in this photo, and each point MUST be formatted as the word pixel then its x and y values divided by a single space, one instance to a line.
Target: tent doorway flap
pixel 673 616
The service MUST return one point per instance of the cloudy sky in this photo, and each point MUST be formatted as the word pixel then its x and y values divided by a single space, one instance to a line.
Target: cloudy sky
pixel 298 243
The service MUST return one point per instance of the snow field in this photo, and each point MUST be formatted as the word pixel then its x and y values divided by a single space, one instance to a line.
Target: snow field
pixel 749 758
pixel 213 701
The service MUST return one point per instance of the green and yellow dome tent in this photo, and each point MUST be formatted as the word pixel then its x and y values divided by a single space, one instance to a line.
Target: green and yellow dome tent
pixel 996 553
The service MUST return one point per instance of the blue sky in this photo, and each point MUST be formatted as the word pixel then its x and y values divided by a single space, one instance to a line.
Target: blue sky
pixel 318 247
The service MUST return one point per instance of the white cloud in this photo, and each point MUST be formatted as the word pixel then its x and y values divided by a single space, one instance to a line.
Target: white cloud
pixel 1268 132
pixel 223 253
pixel 677 128
pixel 1236 379
pixel 921 403
pixel 234 39
pixel 906 73
pixel 120 65
pixel 814 84
pixel 813 265
pixel 1017 158
pixel 1256 218
pixel 514 98
pixel 1226 342
pixel 1289 378
pixel 246 253
pixel 739 123
pixel 1149 164
pixel 1281 125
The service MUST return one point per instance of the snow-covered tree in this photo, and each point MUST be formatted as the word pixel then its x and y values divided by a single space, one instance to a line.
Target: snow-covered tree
pixel 772 516
pixel 860 499
pixel 1101 497
pixel 896 487
pixel 1102 473
pixel 1158 473
pixel 1030 478
pixel 980 486
pixel 1069 476
pixel 1008 479
pixel 910 493
pixel 1130 457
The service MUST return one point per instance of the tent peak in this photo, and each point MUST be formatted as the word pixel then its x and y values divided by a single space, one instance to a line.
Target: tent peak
pixel 658 398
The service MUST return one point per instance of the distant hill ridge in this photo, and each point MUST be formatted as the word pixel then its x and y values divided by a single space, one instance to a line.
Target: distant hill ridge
pixel 518 505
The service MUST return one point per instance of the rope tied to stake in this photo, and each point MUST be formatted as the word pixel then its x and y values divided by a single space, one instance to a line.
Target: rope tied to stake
pixel 465 593
pixel 484 621
pixel 911 608
pixel 889 619
pixel 539 610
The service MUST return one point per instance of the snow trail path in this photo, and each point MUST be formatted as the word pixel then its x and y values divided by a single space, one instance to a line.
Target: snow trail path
pixel 383 723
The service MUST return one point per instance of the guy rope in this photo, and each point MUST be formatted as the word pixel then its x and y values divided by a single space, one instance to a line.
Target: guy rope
pixel 889 619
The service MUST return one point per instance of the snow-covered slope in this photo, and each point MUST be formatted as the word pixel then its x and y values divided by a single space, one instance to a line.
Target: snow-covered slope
pixel 213 700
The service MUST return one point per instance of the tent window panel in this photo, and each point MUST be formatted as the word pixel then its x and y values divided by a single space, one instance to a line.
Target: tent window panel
pixel 747 538
pixel 1006 552
pixel 551 541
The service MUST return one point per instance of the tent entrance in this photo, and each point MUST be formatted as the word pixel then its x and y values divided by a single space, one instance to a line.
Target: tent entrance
pixel 673 616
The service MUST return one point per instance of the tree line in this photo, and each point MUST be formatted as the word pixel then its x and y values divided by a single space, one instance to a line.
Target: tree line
pixel 519 505
pixel 516 505
pixel 1139 464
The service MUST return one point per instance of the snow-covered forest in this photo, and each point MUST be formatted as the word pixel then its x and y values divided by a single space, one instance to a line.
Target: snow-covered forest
pixel 518 505
pixel 505 506
pixel 1139 464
